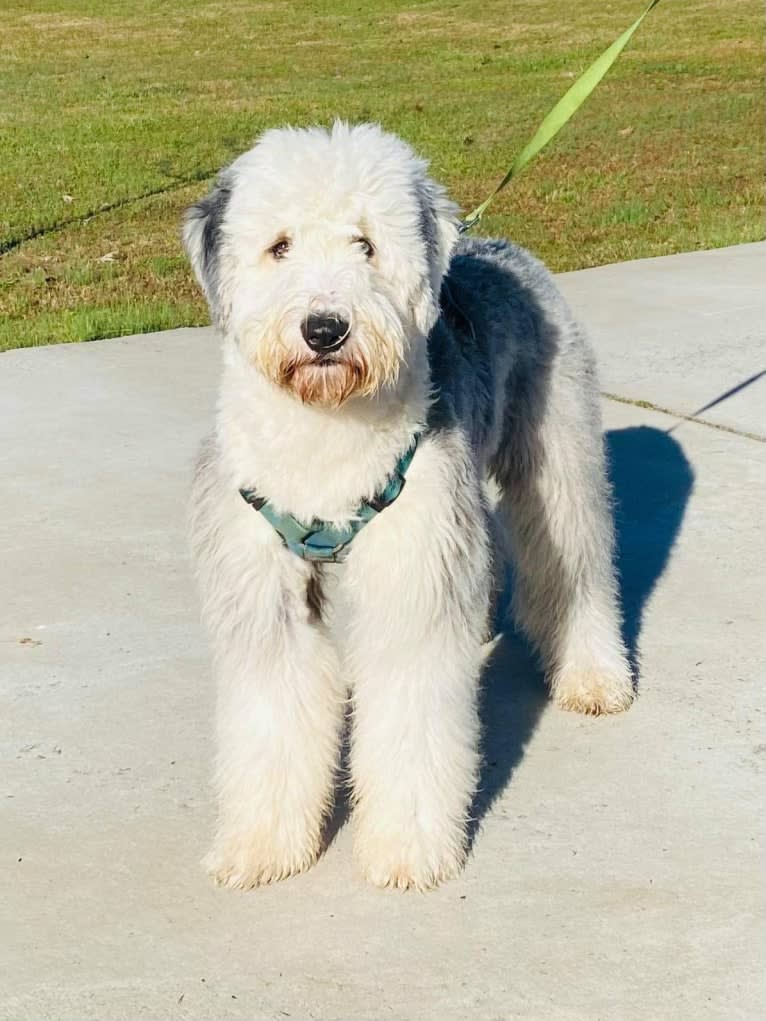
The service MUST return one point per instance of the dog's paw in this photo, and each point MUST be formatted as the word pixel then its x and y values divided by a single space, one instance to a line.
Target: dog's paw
pixel 398 875
pixel 244 864
pixel 409 864
pixel 592 692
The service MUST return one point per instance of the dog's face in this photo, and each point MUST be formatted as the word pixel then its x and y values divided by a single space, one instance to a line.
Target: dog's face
pixel 322 254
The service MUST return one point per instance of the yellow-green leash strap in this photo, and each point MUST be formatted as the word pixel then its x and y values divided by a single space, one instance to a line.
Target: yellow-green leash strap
pixel 569 103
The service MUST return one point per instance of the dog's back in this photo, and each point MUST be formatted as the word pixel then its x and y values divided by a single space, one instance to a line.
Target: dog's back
pixel 504 327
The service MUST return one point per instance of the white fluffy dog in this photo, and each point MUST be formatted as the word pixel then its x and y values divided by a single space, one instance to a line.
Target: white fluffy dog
pixel 377 372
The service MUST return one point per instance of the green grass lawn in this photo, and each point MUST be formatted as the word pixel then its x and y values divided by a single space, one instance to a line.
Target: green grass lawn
pixel 114 115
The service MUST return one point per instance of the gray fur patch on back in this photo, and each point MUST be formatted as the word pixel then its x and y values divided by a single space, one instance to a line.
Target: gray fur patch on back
pixel 501 318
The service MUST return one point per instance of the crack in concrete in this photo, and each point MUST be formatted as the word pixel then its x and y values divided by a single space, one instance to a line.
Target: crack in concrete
pixel 636 403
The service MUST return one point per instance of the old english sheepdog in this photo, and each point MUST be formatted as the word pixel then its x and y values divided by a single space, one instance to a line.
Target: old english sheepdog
pixel 379 373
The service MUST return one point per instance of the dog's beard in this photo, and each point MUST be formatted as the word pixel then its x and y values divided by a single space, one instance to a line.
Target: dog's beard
pixel 324 382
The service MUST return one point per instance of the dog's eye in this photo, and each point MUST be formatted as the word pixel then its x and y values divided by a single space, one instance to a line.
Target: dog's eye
pixel 280 249
pixel 365 247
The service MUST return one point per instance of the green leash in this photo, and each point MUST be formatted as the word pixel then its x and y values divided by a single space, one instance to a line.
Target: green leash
pixel 569 103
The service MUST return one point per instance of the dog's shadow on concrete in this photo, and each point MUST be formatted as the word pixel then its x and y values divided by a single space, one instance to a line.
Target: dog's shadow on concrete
pixel 652 482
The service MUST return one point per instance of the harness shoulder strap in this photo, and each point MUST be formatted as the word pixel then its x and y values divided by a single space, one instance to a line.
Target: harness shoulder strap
pixel 319 541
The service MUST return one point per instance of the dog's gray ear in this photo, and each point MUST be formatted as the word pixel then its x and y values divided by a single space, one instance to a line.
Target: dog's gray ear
pixel 202 235
pixel 439 228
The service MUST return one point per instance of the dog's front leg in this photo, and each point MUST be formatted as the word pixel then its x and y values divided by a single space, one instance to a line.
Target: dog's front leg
pixel 420 579
pixel 280 708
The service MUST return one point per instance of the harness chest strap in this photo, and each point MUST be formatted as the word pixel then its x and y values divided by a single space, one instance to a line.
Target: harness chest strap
pixel 319 541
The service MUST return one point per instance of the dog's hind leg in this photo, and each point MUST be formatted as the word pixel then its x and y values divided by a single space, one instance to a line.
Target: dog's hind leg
pixel 556 507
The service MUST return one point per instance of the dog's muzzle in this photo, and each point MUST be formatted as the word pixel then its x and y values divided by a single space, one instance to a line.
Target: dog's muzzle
pixel 324 332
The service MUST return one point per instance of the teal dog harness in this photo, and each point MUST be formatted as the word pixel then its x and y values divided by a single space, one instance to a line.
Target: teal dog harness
pixel 317 540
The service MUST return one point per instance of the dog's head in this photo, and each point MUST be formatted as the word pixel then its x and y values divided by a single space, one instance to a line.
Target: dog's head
pixel 322 254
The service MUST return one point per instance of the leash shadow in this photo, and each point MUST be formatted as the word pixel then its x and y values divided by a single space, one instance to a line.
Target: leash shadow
pixel 652 482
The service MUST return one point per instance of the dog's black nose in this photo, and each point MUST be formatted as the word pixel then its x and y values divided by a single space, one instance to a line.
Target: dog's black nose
pixel 324 332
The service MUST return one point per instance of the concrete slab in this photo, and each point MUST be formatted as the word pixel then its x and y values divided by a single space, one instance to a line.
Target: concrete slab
pixel 616 870
pixel 682 331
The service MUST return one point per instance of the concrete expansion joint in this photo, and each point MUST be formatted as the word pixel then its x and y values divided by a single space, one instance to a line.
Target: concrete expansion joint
pixel 637 403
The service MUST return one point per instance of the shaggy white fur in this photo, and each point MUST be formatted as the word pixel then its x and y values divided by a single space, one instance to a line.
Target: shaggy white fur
pixel 352 321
